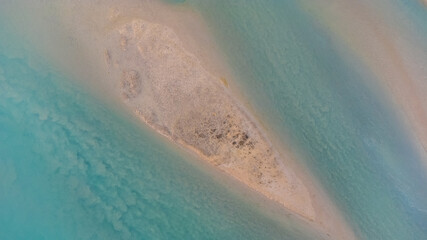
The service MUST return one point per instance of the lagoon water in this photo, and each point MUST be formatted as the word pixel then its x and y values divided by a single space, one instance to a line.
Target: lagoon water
pixel 74 167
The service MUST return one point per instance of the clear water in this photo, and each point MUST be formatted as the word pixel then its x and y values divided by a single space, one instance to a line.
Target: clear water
pixel 309 91
pixel 72 167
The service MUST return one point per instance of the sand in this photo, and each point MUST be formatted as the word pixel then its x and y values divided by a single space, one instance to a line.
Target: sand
pixel 161 63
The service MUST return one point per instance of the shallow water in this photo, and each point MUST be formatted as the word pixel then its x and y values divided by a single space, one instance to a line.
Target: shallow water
pixel 331 107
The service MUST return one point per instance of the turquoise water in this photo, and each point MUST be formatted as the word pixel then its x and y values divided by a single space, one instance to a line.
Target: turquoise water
pixel 310 91
pixel 72 167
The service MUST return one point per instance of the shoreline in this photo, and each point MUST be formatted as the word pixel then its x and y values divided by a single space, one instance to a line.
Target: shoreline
pixel 327 222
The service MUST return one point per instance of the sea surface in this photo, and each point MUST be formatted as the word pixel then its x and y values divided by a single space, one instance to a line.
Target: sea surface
pixel 74 167
pixel 331 107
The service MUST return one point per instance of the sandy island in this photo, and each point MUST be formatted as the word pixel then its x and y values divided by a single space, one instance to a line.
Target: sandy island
pixel 169 90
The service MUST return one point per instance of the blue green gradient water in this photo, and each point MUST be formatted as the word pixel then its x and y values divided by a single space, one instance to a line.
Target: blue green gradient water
pixel 72 167
pixel 332 109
